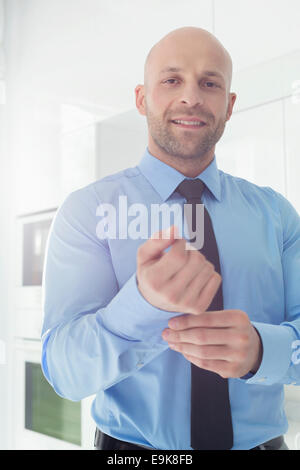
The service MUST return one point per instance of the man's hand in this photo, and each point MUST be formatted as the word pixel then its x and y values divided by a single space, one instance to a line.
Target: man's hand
pixel 180 280
pixel 222 341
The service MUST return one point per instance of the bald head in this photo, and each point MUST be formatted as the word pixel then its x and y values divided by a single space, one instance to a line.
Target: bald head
pixel 184 41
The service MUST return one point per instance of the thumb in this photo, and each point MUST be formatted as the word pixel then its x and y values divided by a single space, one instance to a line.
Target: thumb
pixel 159 241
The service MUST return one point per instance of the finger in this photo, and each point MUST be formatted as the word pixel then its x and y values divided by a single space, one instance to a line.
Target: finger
pixel 154 247
pixel 195 285
pixel 204 352
pixel 189 264
pixel 172 262
pixel 210 319
pixel 202 336
pixel 214 365
pixel 208 292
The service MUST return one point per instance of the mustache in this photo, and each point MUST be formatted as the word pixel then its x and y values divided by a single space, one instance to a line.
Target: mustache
pixel 184 113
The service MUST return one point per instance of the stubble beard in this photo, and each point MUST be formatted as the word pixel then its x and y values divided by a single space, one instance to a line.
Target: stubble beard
pixel 180 146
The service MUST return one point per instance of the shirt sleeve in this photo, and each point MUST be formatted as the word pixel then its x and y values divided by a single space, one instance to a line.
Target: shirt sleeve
pixel 94 334
pixel 281 343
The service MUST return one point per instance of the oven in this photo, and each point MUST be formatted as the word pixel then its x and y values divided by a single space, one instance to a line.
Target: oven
pixel 32 235
pixel 41 418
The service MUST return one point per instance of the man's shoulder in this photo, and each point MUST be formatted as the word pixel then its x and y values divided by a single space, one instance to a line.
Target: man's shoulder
pixel 105 188
pixel 246 187
pixel 114 179
pixel 80 206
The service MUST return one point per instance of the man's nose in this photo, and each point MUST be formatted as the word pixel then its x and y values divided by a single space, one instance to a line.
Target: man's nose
pixel 192 95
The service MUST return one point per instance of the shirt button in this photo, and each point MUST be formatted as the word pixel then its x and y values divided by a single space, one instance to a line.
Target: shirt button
pixel 140 364
pixel 262 379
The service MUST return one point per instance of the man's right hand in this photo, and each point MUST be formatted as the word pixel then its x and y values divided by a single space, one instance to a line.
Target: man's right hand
pixel 181 280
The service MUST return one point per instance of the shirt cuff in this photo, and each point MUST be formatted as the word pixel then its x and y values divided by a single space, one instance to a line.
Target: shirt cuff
pixel 277 349
pixel 131 316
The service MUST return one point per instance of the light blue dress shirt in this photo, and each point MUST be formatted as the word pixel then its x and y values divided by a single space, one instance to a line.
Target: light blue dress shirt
pixel 101 336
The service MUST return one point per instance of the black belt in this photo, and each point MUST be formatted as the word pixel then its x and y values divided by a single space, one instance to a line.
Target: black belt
pixel 273 444
pixel 105 442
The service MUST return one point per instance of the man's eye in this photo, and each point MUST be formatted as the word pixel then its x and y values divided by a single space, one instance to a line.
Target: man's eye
pixel 171 80
pixel 212 83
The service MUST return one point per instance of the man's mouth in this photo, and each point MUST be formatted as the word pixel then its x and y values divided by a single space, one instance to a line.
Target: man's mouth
pixel 190 124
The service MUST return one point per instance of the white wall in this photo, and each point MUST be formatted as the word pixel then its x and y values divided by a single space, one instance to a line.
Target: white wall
pixel 72 69
pixel 5 280
pixel 6 254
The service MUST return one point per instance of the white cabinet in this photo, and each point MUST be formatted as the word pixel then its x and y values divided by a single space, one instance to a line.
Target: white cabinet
pixel 79 163
pixel 36 149
pixel 122 140
pixel 52 157
pixel 252 146
pixel 254 31
pixel 61 148
pixel 94 149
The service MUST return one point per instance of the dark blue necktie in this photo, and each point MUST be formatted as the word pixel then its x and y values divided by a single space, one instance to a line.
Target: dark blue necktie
pixel 211 424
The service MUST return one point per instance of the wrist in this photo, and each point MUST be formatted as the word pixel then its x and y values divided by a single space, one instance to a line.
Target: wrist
pixel 259 354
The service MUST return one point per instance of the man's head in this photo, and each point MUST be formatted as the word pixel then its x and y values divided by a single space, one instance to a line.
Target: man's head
pixel 199 89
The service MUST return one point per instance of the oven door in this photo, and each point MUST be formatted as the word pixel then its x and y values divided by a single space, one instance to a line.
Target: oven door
pixel 42 419
pixel 32 236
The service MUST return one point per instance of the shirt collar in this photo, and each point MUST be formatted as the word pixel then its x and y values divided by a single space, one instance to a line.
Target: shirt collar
pixel 165 178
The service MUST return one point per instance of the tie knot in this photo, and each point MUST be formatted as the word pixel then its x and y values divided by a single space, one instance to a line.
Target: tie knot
pixel 191 189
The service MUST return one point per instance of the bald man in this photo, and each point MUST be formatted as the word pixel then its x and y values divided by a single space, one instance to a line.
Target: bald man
pixel 185 348
pixel 186 51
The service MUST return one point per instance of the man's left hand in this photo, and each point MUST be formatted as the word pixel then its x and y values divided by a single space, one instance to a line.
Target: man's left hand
pixel 222 341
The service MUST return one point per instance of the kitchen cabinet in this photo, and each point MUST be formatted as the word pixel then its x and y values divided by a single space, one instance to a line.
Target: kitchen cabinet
pixel 252 146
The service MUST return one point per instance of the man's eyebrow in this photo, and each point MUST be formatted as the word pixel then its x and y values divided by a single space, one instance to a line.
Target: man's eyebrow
pixel 211 73
pixel 208 73
pixel 171 69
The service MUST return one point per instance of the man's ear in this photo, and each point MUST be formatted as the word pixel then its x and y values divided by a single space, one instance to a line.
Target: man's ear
pixel 232 99
pixel 140 99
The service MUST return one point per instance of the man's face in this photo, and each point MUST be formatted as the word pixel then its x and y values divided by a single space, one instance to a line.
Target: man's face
pixel 180 87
